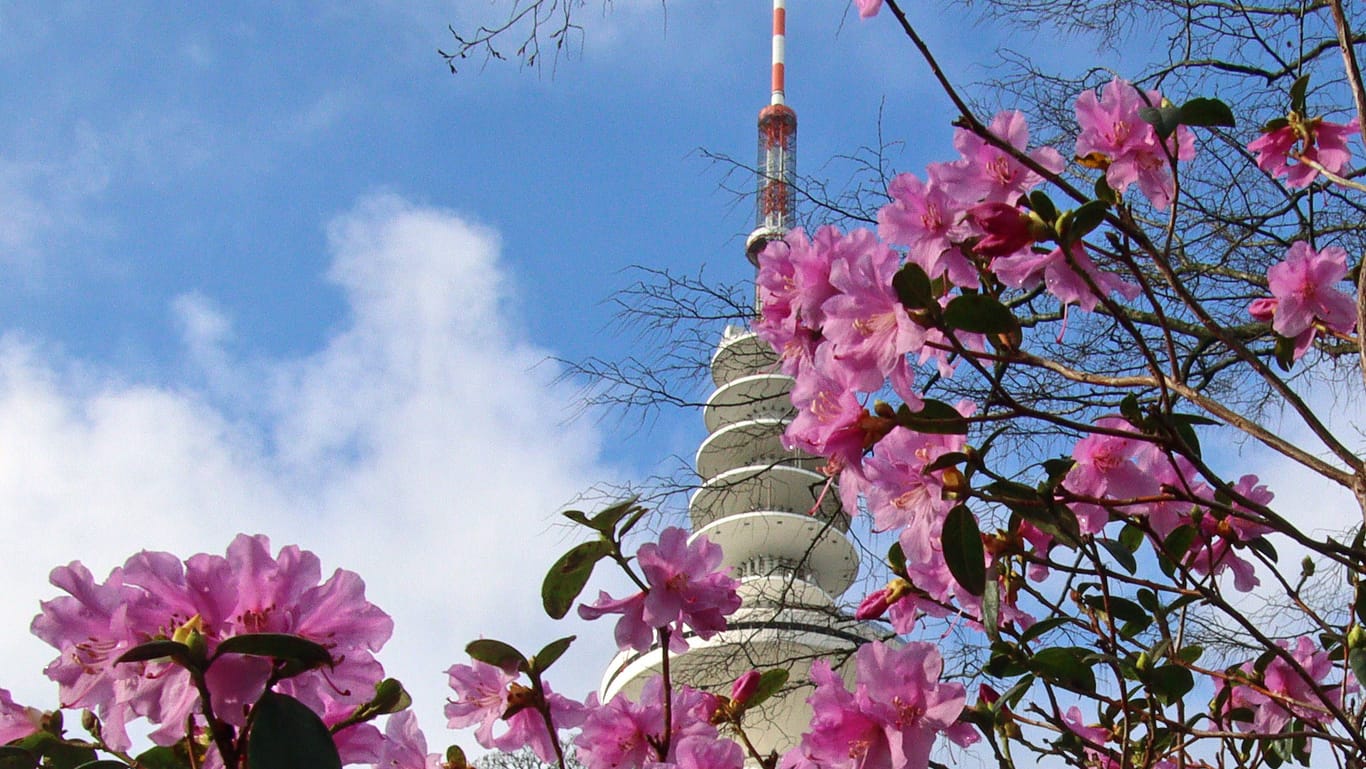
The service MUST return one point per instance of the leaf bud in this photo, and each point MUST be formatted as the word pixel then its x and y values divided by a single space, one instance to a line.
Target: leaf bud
pixel 1307 567
pixel 455 758
pixel 1356 637
pixel 90 722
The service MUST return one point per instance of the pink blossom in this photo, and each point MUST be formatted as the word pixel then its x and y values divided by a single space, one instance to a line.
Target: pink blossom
pixel 250 591
pixel 1315 140
pixel 893 717
pixel 1129 147
pixel 404 745
pixel 527 729
pixel 1105 469
pixel 695 752
pixel 868 8
pixel 619 735
pixel 1303 286
pixel 830 421
pixel 900 493
pixel 1284 693
pixel 686 582
pixel 1062 279
pixel 929 220
pixel 632 631
pixel 481 698
pixel 16 721
pixel 485 695
pixel 868 328
pixel 793 283
pixel 990 174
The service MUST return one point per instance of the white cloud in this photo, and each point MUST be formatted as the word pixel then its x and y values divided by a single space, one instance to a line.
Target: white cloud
pixel 424 446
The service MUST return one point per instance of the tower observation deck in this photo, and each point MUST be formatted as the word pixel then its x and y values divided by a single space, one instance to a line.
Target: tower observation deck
pixel 776 517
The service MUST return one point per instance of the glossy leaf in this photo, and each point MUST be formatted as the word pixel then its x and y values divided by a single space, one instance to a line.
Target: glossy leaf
pixel 1122 555
pixel 1043 206
pixel 1298 89
pixel 1164 120
pixel 962 542
pixel 497 654
pixel 155 650
pixel 1356 659
pixel 164 757
pixel 286 734
pixel 1065 666
pixel 280 646
pixel 567 577
pixel 979 314
pixel 912 287
pixel 1038 629
pixel 14 757
pixel 607 519
pixel 1085 219
pixel 552 651
pixel 935 417
pixel 1206 112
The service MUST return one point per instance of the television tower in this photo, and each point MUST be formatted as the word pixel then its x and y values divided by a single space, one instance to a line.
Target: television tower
pixel 776 517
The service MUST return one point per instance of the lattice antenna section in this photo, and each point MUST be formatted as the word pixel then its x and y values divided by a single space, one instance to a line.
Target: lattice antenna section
pixel 777 164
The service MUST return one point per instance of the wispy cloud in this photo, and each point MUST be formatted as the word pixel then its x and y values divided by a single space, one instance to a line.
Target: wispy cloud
pixel 424 446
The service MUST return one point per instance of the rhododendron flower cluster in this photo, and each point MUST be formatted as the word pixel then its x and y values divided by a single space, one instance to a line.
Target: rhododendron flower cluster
pixel 1304 297
pixel 1115 137
pixel 1282 693
pixel 486 695
pixel 624 733
pixel 156 595
pixel 1312 142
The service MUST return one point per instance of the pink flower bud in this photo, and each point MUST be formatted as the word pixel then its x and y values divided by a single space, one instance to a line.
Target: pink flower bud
pixel 986 694
pixel 875 605
pixel 1263 309
pixel 744 687
pixel 1007 229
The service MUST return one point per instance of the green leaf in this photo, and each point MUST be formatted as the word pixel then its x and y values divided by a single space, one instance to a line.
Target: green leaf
pixel 552 651
pixel 1043 206
pixel 1356 659
pixel 57 754
pixel 606 520
pixel 979 314
pixel 1085 219
pixel 103 763
pixel 1190 653
pixel 1055 520
pixel 1120 608
pixel 1298 89
pixel 498 654
pixel 390 697
pixel 1179 542
pixel 896 558
pixel 1105 192
pixel 1065 666
pixel 1275 124
pixel 1206 112
pixel 1012 696
pixel 946 460
pixel 963 553
pixel 567 577
pixel 1039 628
pixel 577 516
pixel 286 734
pixel 934 417
pixel 1285 352
pixel 1128 408
pixel 1148 600
pixel 1005 662
pixel 1164 120
pixel 1264 546
pixel 155 650
pixel 1131 537
pixel 912 287
pixel 991 606
pixel 164 757
pixel 1122 555
pixel 14 757
pixel 770 681
pixel 281 646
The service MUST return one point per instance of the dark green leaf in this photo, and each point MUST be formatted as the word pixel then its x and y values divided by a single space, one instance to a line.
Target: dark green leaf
pixel 1122 555
pixel 1148 600
pixel 1066 667
pixel 1012 696
pixel 1085 219
pixel 390 697
pixel 606 520
pixel 1005 662
pixel 770 681
pixel 1057 469
pixel 1120 608
pixel 1264 546
pixel 1055 520
pixel 1297 92
pixel 549 653
pixel 566 578
pixel 1285 352
pixel 1105 192
pixel 1356 658
pixel 164 757
pixel 13 757
pixel 280 646
pixel 286 734
pixel 991 606
pixel 946 460
pixel 979 314
pixel 963 552
pixel 1164 120
pixel 1128 408
pixel 1190 653
pixel 1188 436
pixel 56 753
pixel 1131 537
pixel 896 558
pixel 577 516
pixel 1275 124
pixel 912 287
pixel 103 763
pixel 1179 542
pixel 1038 629
pixel 498 654
pixel 1206 112
pixel 1169 683
pixel 936 417
pixel 155 650
pixel 1042 206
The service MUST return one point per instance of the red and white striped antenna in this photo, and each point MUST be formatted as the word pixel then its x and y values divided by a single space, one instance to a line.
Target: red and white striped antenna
pixel 777 166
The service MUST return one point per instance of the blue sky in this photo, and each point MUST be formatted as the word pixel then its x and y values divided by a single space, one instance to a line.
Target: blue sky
pixel 270 267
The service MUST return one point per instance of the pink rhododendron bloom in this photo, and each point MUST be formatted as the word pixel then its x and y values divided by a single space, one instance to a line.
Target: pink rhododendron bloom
pixel 527 729
pixel 1285 693
pixel 988 173
pixel 793 283
pixel 1303 286
pixel 1105 470
pixel 618 735
pixel 868 8
pixel 404 745
pixel 686 588
pixel 892 718
pixel 866 325
pixel 1320 141
pixel 481 698
pixel 249 591
pixel 16 721
pixel 929 220
pixel 1063 280
pixel 1129 146
pixel 830 421
pixel 694 752
pixel 899 492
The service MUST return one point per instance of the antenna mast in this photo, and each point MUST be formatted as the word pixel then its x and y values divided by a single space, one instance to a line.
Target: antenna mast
pixel 777 165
